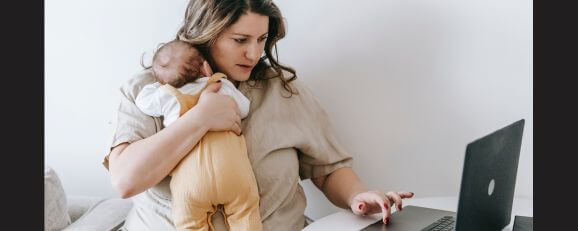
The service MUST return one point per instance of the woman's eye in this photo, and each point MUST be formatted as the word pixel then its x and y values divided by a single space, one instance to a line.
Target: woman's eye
pixel 262 39
pixel 239 40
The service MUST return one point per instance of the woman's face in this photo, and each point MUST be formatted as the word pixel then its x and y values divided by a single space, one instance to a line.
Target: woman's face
pixel 239 47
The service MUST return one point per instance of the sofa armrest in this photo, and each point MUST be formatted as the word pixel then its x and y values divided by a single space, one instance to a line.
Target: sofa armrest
pixel 102 214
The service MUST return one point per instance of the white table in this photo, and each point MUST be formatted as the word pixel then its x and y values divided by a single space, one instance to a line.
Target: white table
pixel 346 221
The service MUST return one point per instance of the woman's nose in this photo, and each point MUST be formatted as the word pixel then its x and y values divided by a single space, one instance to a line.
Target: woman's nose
pixel 253 52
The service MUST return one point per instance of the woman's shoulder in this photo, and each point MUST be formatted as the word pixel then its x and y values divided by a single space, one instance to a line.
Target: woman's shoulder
pixel 271 74
pixel 275 81
pixel 294 90
pixel 302 102
pixel 137 82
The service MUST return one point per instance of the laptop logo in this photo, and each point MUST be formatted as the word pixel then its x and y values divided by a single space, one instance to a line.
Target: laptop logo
pixel 491 187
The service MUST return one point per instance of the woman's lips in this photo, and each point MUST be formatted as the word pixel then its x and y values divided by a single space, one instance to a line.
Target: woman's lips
pixel 246 68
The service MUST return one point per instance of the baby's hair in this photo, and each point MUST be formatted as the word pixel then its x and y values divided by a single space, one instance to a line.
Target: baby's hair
pixel 188 72
pixel 143 54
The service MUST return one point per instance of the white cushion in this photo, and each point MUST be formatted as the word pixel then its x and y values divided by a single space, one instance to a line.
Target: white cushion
pixel 55 208
pixel 107 214
pixel 78 205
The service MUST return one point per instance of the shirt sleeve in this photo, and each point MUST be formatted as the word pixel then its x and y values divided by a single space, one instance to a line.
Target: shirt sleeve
pixel 320 152
pixel 132 123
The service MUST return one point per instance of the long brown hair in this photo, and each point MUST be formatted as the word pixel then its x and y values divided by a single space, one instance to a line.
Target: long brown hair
pixel 206 19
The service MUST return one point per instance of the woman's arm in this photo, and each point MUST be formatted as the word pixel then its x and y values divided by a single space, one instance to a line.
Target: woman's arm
pixel 340 186
pixel 140 165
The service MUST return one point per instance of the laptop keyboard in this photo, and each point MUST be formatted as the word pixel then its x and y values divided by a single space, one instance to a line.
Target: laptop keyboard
pixel 446 223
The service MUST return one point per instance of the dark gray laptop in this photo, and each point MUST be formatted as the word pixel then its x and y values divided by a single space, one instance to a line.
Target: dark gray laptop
pixel 487 189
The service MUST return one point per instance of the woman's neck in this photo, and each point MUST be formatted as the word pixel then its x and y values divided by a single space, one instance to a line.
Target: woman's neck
pixel 236 83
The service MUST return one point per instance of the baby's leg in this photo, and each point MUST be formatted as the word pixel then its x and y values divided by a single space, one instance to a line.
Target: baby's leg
pixel 190 214
pixel 235 181
pixel 192 192
pixel 243 214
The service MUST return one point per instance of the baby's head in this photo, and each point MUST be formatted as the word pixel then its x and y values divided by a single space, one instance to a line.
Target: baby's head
pixel 177 63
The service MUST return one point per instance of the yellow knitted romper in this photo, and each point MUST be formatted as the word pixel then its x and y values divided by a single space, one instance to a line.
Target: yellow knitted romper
pixel 217 171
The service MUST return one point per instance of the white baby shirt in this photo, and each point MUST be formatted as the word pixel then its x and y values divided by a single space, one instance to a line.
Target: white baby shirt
pixel 154 101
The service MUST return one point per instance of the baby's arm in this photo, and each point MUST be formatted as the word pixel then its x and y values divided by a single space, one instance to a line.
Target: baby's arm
pixel 148 101
pixel 154 101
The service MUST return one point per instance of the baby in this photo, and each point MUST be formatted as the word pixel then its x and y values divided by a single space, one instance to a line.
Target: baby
pixel 217 170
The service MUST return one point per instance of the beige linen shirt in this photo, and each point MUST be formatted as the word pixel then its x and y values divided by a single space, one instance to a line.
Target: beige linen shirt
pixel 288 139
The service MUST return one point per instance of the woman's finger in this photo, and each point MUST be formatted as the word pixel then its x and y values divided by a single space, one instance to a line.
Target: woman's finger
pixel 237 129
pixel 360 208
pixel 213 87
pixel 404 195
pixel 395 198
pixel 382 201
pixel 236 107
pixel 238 122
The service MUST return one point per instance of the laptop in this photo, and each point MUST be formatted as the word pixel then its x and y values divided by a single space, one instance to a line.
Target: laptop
pixel 486 191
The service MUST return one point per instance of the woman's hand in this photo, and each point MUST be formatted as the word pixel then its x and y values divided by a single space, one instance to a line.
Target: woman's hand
pixel 219 112
pixel 371 202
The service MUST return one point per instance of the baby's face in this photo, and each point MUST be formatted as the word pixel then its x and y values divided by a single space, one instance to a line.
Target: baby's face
pixel 177 64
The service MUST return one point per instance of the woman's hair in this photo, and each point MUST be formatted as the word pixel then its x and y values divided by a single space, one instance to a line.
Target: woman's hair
pixel 206 19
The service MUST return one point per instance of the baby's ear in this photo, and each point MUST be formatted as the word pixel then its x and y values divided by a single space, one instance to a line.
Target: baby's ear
pixel 206 69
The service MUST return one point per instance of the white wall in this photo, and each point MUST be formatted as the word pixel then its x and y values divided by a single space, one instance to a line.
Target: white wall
pixel 421 78
pixel 92 47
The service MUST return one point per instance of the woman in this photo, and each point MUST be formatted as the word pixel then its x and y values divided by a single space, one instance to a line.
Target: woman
pixel 287 132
